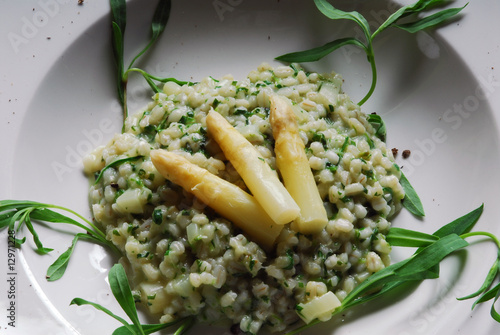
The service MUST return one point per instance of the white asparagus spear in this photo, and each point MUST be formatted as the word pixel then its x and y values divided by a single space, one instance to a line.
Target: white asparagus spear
pixel 293 165
pixel 225 198
pixel 260 179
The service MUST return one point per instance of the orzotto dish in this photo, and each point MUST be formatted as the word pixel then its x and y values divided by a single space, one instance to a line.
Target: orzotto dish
pixel 184 259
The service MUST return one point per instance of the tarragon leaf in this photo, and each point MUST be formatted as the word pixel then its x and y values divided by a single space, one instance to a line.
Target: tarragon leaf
pixel 461 225
pixel 315 54
pixel 418 265
pixel 411 200
pixel 409 238
pixel 114 164
pixel 490 277
pixel 429 21
pixel 80 302
pixel 333 13
pixel 118 24
pixel 158 24
pixel 121 290
pixel 57 269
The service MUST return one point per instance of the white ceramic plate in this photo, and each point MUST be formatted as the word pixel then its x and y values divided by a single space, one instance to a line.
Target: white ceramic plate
pixel 434 102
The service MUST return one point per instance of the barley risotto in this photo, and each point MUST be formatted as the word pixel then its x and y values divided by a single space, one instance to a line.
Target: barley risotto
pixel 184 259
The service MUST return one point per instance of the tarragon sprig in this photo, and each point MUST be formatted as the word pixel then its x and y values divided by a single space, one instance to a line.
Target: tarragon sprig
pixel 14 214
pixel 424 264
pixel 395 20
pixel 120 288
pixel 118 25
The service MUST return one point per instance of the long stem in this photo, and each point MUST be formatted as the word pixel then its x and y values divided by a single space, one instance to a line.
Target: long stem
pixel 140 53
pixel 95 231
pixel 371 59
pixel 482 233
pixel 125 107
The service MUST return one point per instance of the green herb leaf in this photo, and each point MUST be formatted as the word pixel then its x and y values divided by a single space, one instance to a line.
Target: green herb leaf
pixel 411 200
pixel 493 311
pixel 333 13
pixel 58 268
pixel 409 238
pixel 416 267
pixel 119 13
pixel 160 19
pixel 115 164
pixel 23 212
pixel 118 24
pixel 121 290
pixel 429 21
pixel 461 225
pixel 490 277
pixel 45 214
pixel 151 328
pixel 315 54
pixel 490 294
pixel 81 302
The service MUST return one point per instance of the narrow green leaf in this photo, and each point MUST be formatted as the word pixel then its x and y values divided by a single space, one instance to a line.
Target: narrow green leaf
pixel 494 314
pixel 5 218
pixel 160 18
pixel 151 84
pixel 409 238
pixel 45 214
pixel 404 11
pixel 315 54
pixel 118 24
pixel 80 302
pixel 329 11
pixel 461 225
pixel 6 205
pixel 116 163
pixel 422 5
pixel 390 20
pixel 119 13
pixel 148 329
pixel 158 24
pixel 411 200
pixel 40 248
pixel 419 265
pixel 18 217
pixel 121 290
pixel 429 21
pixel 490 277
pixel 57 269
pixel 117 37
pixel 490 294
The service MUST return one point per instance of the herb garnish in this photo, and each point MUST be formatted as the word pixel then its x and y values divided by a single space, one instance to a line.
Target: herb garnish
pixel 24 212
pixel 423 264
pixel 120 288
pixel 118 24
pixel 393 20
pixel 411 200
